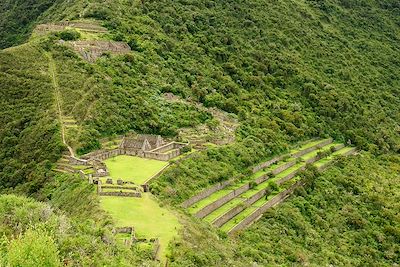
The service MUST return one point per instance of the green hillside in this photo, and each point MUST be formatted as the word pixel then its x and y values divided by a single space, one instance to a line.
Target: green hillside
pixel 243 82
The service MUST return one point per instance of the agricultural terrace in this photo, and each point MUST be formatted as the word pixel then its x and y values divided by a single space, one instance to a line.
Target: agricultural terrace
pixel 133 169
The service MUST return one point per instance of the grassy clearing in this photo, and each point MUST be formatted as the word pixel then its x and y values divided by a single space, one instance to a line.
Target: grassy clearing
pixel 145 215
pixel 133 169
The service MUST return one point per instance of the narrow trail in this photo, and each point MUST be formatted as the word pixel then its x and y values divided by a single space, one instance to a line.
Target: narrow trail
pixel 57 93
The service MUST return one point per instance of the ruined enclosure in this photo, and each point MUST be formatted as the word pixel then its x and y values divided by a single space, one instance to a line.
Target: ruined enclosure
pixel 91 50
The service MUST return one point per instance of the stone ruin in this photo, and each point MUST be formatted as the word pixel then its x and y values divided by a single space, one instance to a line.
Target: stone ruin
pixel 142 142
pixel 91 50
pixel 61 26
pixel 151 146
pixel 111 190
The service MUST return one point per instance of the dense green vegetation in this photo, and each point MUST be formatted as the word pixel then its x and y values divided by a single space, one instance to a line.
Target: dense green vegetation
pixel 29 134
pixel 289 70
pixel 347 216
pixel 35 233
pixel 17 19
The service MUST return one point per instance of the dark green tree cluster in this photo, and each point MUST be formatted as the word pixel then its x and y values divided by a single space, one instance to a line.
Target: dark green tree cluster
pixel 17 19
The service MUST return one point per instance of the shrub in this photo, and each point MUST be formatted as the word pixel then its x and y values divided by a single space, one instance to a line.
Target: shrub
pixel 34 248
pixel 69 35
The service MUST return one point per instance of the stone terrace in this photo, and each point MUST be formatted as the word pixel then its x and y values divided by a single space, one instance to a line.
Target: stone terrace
pixel 233 204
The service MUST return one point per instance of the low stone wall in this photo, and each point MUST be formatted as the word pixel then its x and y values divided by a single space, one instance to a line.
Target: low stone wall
pixel 121 194
pixel 305 151
pixel 156 249
pixel 268 163
pixel 124 230
pixel 206 193
pixel 221 201
pixel 119 187
pixel 60 26
pixel 258 212
pixel 156 175
pixel 76 161
pixel 239 208
pixel 284 167
pixel 103 154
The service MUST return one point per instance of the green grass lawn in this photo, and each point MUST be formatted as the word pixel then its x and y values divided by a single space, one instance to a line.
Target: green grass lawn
pixel 145 215
pixel 133 169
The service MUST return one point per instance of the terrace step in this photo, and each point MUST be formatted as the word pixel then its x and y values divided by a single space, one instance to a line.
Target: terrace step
pixel 251 212
pixel 59 170
pixel 312 145
pixel 283 177
pixel 274 170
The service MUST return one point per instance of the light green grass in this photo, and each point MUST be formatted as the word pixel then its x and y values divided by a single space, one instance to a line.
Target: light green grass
pixel 145 215
pixel 307 145
pixel 133 169
pixel 222 210
pixel 315 152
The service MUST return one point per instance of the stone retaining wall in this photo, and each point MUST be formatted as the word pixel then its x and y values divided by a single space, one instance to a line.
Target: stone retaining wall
pixel 156 249
pixel 221 201
pixel 206 193
pixel 236 210
pixel 124 230
pixel 103 154
pixel 121 194
pixel 155 175
pixel 305 151
pixel 258 212
pixel 284 167
pixel 268 163
pixel 76 161
pixel 119 187
pixel 239 208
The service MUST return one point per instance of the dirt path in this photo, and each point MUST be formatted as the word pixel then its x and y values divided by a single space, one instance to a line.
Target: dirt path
pixel 57 93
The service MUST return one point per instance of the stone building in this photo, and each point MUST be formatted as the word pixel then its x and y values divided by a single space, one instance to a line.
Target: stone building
pixel 142 143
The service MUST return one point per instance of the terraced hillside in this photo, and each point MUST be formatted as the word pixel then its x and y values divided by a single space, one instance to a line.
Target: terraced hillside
pixel 235 204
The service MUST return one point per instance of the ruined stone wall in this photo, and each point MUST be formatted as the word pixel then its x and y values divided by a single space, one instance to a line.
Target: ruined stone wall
pixel 103 154
pixel 206 193
pixel 121 194
pixel 258 212
pixel 164 148
pixel 156 249
pixel 133 188
pixel 76 161
pixel 124 230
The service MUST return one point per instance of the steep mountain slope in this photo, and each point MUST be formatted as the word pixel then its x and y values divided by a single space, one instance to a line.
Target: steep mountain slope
pixel 286 70
pixel 17 18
